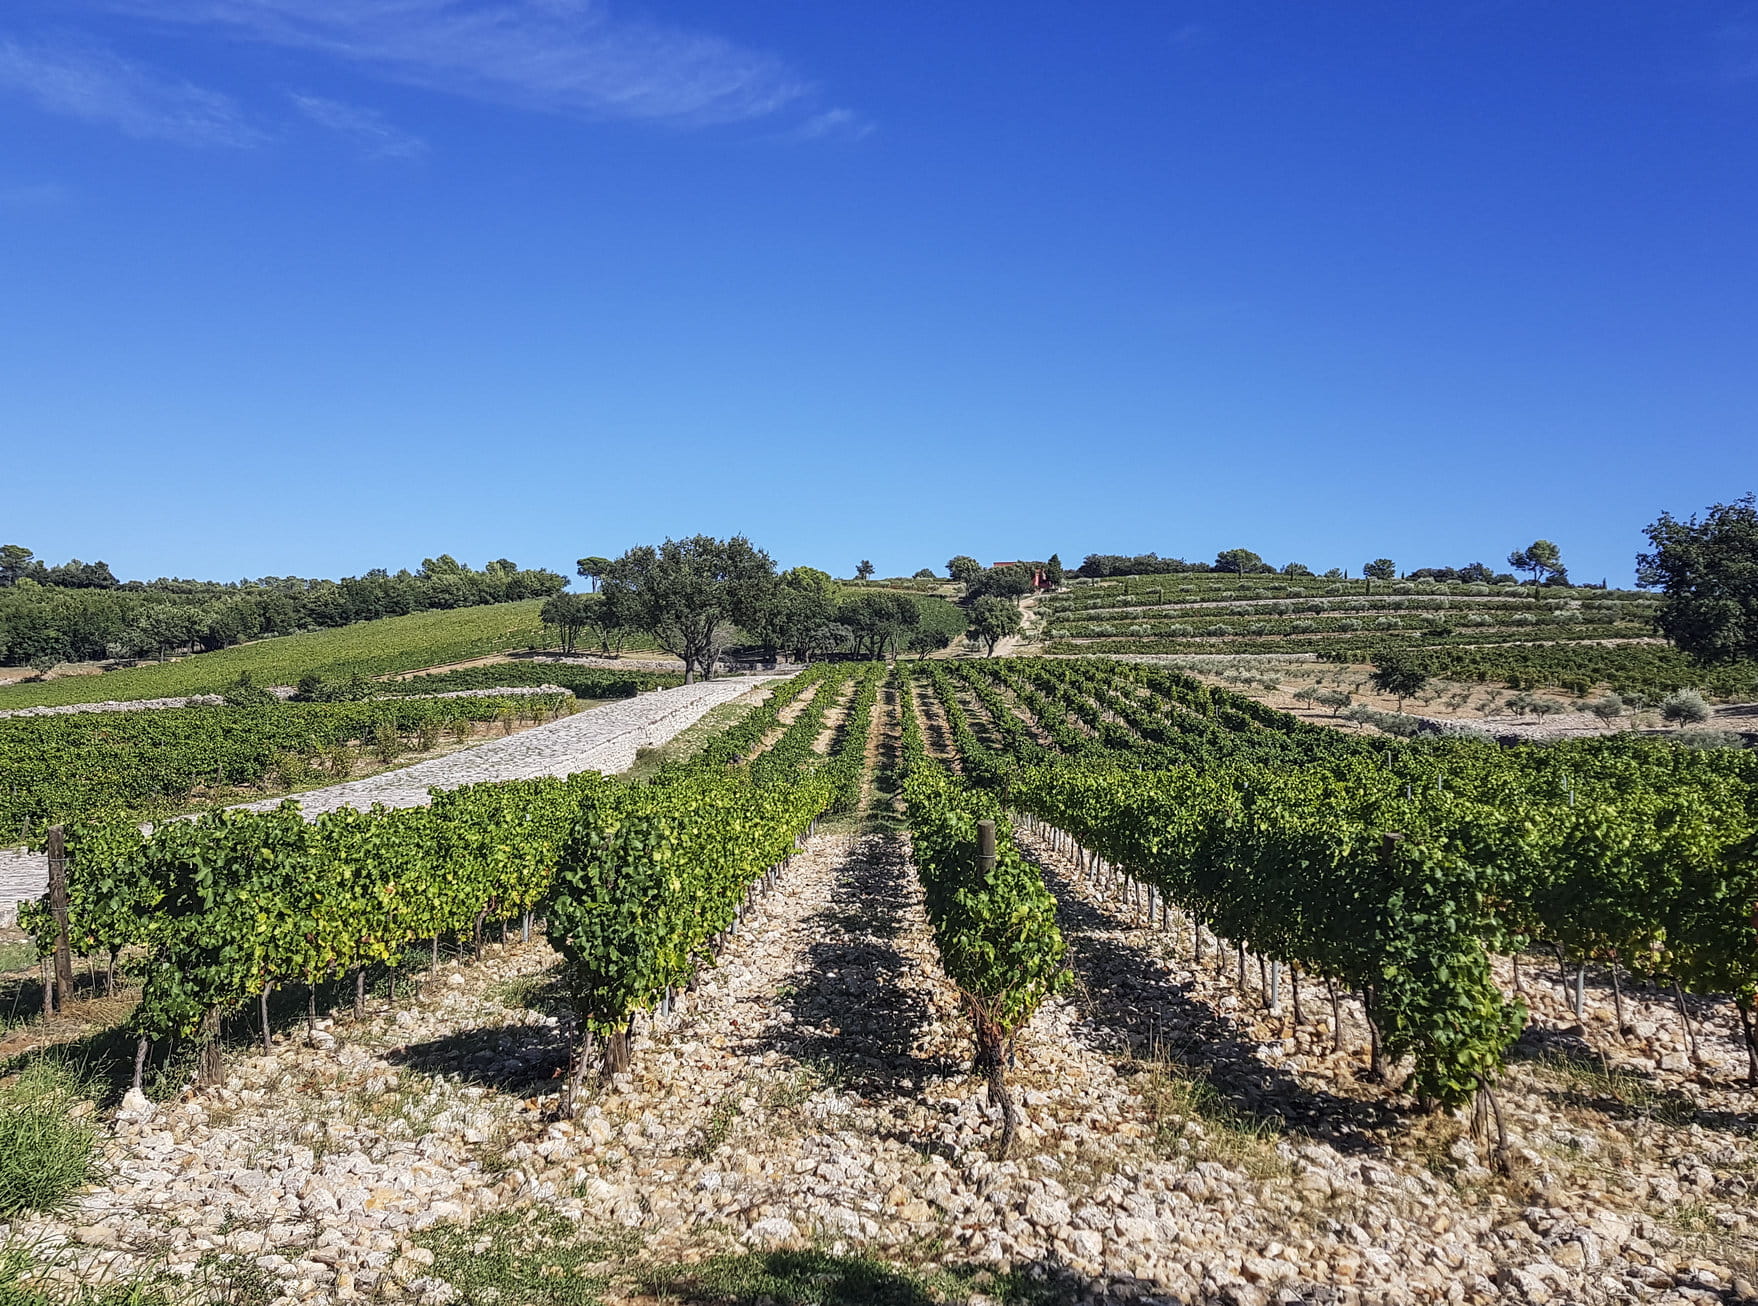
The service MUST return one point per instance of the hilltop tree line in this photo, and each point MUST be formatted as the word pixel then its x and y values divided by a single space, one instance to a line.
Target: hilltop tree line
pixel 698 597
pixel 44 622
pixel 1542 560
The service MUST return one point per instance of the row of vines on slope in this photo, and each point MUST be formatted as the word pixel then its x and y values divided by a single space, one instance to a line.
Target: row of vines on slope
pixel 1395 869
pixel 636 881
pixel 60 769
pixel 993 920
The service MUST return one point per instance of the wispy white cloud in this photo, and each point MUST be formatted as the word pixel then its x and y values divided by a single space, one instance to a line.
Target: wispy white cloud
pixel 561 56
pixel 365 127
pixel 96 86
pixel 832 124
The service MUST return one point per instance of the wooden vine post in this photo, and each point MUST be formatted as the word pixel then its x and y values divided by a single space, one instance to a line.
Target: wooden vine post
pixel 58 909
pixel 985 847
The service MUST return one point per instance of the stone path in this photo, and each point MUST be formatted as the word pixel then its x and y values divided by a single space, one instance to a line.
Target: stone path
pixel 599 739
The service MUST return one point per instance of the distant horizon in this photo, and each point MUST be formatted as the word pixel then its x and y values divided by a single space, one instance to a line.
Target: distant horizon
pixel 1070 561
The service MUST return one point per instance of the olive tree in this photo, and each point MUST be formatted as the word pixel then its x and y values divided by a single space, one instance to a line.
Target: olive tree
pixel 964 568
pixel 1707 572
pixel 692 594
pixel 993 619
pixel 1684 707
pixel 569 614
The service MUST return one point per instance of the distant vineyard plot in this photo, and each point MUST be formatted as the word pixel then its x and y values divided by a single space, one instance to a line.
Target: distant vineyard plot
pixel 1559 638
pixel 368 648
pixel 1229 613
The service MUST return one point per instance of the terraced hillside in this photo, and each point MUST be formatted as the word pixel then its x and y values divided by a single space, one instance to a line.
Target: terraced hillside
pixel 1572 640
pixel 1226 613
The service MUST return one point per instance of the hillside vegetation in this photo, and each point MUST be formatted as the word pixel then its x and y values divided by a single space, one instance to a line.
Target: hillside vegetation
pixel 368 648
pixel 1575 640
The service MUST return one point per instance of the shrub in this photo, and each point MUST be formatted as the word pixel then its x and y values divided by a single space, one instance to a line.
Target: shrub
pixel 1684 707
pixel 244 692
pixel 47 1140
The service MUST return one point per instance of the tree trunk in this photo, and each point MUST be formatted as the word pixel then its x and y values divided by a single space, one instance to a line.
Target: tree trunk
pixel 141 1047
pixel 616 1052
pixel 262 1011
pixel 1685 1015
pixel 209 1069
pixel 991 1061
pixel 1746 1026
pixel 579 1063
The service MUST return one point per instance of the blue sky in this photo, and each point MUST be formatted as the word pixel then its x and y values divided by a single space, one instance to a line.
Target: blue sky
pixel 317 285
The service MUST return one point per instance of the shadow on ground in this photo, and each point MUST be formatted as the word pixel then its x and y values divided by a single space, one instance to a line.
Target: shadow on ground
pixel 510 1058
pixel 819 1278
pixel 1142 1011
pixel 851 1009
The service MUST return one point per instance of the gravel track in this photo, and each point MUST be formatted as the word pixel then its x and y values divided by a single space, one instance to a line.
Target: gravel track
pixel 599 739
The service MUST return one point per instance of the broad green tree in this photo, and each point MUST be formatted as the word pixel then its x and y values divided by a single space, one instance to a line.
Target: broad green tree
pixel 993 619
pixel 964 568
pixel 592 569
pixel 1707 571
pixel 1398 678
pixel 691 595
pixel 864 571
pixel 1380 569
pixel 1241 561
pixel 569 614
pixel 881 620
pixel 15 561
pixel 804 600
pixel 1004 582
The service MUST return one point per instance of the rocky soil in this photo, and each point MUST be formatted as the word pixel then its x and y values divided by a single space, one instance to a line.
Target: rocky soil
pixel 1183 1142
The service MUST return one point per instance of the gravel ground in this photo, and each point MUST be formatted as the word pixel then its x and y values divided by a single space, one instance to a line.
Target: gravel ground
pixel 1182 1143
pixel 599 739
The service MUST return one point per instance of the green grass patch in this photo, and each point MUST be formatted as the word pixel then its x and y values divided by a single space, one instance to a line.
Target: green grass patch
pixel 690 741
pixel 30 1279
pixel 47 1139
pixel 367 648
pixel 803 1278
pixel 528 1257
pixel 1175 1094
pixel 16 957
